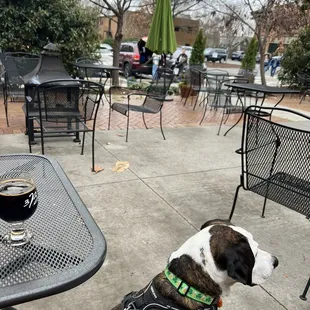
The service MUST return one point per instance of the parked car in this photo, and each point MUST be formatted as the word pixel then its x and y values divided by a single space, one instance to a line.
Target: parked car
pixel 105 46
pixel 105 54
pixel 215 54
pixel 132 61
pixel 171 61
pixel 237 55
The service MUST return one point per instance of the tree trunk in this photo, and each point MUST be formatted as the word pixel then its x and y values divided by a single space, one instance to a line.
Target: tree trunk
pixel 262 64
pixel 262 49
pixel 117 47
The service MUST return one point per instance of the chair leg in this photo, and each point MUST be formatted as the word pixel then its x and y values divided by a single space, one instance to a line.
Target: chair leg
pixel 218 133
pixel 234 203
pixel 29 137
pixel 161 125
pixel 127 127
pixel 303 296
pixel 204 114
pixel 302 97
pixel 6 113
pixel 109 123
pixel 197 97
pixel 144 121
pixel 42 142
pixel 227 117
pixel 93 150
pixel 83 141
pixel 233 125
pixel 188 94
pixel 264 206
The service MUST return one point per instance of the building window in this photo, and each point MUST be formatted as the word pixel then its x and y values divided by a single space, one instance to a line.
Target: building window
pixel 177 29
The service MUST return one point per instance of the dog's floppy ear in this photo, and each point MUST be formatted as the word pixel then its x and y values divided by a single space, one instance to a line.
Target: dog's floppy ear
pixel 214 222
pixel 240 262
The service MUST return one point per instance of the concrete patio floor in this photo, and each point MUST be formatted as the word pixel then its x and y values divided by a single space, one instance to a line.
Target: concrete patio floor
pixel 170 190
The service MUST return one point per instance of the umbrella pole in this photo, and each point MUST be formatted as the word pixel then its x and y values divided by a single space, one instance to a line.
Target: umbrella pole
pixel 165 67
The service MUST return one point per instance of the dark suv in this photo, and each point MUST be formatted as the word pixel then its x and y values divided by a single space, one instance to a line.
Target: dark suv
pixel 215 54
pixel 132 62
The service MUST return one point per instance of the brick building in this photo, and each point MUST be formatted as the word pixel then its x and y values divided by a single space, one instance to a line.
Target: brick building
pixel 137 25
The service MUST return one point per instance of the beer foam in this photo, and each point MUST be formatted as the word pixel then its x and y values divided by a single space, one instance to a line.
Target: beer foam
pixel 15 187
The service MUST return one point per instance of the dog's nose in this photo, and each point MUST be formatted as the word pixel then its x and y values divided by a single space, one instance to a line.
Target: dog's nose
pixel 275 262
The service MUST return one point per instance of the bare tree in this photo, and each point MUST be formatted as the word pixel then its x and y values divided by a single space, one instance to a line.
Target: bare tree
pixel 265 18
pixel 222 25
pixel 115 9
pixel 178 7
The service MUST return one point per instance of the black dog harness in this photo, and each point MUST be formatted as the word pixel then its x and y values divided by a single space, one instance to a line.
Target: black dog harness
pixel 151 299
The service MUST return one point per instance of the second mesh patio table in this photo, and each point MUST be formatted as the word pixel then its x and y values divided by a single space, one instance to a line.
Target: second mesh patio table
pixel 67 246
pixel 259 89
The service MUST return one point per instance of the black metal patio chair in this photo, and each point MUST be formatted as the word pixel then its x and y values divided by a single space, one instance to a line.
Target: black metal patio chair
pixel 200 84
pixel 16 65
pixel 64 107
pixel 275 161
pixel 229 101
pixel 154 98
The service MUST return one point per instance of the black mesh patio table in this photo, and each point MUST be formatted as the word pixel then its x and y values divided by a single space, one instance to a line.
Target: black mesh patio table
pixel 67 246
pixel 259 89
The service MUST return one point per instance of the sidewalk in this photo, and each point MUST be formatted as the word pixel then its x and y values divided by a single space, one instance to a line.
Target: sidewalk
pixel 171 188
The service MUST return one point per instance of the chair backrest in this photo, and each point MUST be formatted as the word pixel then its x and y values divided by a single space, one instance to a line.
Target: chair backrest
pixel 158 90
pixel 196 79
pixel 59 99
pixel 89 73
pixel 161 83
pixel 18 64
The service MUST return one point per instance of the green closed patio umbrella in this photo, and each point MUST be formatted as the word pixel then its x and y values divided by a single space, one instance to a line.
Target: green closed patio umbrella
pixel 161 37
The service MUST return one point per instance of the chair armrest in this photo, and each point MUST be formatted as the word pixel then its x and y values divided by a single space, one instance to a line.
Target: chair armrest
pixel 138 94
pixel 154 96
pixel 118 88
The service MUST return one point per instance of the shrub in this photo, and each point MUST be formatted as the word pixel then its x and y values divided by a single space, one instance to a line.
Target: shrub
pixel 296 58
pixel 249 59
pixel 30 25
pixel 197 57
pixel 109 41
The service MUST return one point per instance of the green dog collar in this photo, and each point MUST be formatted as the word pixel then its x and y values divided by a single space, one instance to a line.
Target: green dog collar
pixel 186 290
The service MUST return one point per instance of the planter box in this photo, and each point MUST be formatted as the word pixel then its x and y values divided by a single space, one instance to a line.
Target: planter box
pixel 185 91
pixel 250 75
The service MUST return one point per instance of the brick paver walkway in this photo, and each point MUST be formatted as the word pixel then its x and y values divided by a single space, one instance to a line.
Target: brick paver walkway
pixel 174 116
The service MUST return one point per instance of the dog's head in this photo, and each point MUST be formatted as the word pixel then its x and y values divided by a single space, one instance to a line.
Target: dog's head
pixel 228 254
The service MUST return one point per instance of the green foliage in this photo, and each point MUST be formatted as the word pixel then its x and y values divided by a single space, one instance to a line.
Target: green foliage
pixel 131 40
pixel 174 90
pixel 296 58
pixel 30 25
pixel 197 57
pixel 183 80
pixel 109 41
pixel 249 59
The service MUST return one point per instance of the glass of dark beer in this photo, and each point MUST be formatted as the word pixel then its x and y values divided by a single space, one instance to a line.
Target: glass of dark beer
pixel 18 202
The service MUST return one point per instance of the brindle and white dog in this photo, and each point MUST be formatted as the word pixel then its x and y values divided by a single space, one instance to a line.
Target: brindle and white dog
pixel 211 261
